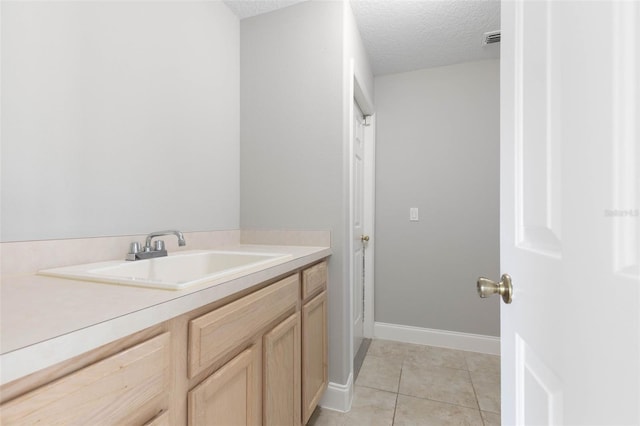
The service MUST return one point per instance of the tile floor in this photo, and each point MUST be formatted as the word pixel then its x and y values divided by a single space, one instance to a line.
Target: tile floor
pixel 405 384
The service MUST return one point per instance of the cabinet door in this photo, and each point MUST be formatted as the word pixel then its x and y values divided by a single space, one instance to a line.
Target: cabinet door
pixel 281 388
pixel 232 395
pixel 314 353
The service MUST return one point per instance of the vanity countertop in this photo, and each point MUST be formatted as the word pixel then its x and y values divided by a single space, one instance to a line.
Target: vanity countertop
pixel 46 320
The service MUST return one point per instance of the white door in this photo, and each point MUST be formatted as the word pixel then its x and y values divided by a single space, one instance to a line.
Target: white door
pixel 358 243
pixel 570 212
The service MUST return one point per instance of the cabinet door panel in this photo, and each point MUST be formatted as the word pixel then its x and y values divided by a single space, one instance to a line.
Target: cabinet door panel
pixel 281 388
pixel 215 334
pixel 314 353
pixel 314 280
pixel 123 389
pixel 232 395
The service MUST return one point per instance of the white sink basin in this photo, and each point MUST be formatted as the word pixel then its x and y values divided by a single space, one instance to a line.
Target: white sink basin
pixel 174 272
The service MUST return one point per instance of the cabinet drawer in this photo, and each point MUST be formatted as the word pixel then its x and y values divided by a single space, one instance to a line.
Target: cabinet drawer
pixel 314 280
pixel 126 388
pixel 213 335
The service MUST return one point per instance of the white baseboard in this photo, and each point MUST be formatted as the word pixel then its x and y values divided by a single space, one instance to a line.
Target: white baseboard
pixel 441 338
pixel 338 397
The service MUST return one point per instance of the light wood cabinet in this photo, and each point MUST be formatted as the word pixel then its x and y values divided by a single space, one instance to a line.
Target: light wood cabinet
pixel 161 419
pixel 255 358
pixel 282 374
pixel 223 330
pixel 230 396
pixel 125 389
pixel 314 280
pixel 233 394
pixel 314 353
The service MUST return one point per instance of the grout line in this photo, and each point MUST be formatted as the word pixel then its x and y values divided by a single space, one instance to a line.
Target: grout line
pixel 466 362
pixel 395 407
pixel 440 401
pixel 400 376
pixel 378 389
pixel 475 394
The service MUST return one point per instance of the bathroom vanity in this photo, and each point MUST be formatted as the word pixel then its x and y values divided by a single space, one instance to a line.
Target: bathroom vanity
pixel 249 350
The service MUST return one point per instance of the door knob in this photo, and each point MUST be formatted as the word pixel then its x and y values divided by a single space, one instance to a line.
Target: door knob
pixel 486 288
pixel 364 238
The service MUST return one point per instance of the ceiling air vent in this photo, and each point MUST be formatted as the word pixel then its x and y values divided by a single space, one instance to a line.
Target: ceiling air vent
pixel 491 37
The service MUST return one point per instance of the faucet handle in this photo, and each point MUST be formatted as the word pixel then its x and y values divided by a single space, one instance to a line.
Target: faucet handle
pixel 158 245
pixel 134 247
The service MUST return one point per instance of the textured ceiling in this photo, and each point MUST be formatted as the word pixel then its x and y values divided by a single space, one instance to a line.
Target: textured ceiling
pixel 408 35
pixel 405 35
pixel 247 8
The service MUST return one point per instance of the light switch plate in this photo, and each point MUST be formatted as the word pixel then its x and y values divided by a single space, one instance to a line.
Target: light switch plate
pixel 413 214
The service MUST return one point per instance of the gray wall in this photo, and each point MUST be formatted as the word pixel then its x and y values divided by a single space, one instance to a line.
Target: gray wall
pixel 437 149
pixel 119 118
pixel 293 112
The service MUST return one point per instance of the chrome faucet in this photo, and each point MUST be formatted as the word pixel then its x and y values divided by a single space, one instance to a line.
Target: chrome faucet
pixel 157 250
pixel 181 241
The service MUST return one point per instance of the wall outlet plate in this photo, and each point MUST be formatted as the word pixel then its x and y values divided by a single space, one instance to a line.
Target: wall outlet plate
pixel 413 214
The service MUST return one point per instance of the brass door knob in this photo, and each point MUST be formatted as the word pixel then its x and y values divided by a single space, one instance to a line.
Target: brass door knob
pixel 364 238
pixel 486 288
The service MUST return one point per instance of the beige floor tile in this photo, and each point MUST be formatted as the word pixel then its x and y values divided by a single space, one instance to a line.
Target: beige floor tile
pixel 371 407
pixel 485 376
pixel 388 349
pixel 416 411
pixel 438 357
pixel 491 419
pixel 487 393
pixel 482 362
pixel 486 382
pixel 324 417
pixel 380 373
pixel 434 384
pixel 438 383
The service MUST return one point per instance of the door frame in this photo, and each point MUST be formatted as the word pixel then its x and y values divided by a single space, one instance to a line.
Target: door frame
pixel 369 220
pixel 366 106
